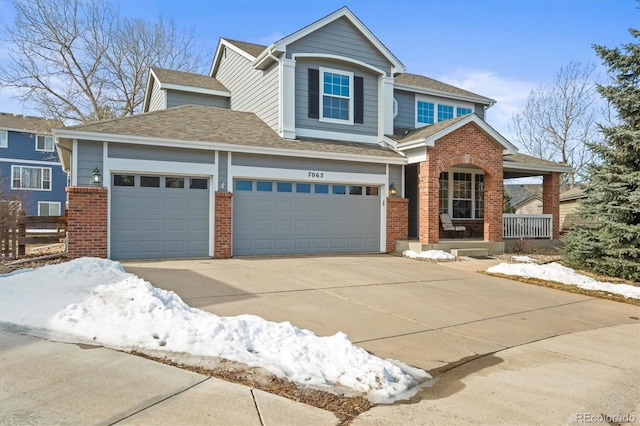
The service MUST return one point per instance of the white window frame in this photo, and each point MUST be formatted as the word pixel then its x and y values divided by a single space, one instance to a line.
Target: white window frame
pixel 449 208
pixel 49 203
pixel 349 74
pixel 4 139
pixel 42 178
pixel 437 102
pixel 45 138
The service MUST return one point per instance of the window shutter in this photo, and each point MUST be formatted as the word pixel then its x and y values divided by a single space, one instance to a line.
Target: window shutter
pixel 358 100
pixel 314 93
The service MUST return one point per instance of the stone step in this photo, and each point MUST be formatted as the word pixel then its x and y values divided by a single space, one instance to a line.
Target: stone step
pixel 470 252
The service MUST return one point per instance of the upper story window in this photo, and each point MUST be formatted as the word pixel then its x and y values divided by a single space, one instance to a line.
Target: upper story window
pixel 424 112
pixel 445 112
pixel 44 143
pixel 4 139
pixel 337 96
pixel 31 178
pixel 430 110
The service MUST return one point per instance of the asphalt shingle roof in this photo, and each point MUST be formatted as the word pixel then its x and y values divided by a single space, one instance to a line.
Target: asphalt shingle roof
pixel 187 79
pixel 251 48
pixel 421 81
pixel 27 123
pixel 425 132
pixel 218 125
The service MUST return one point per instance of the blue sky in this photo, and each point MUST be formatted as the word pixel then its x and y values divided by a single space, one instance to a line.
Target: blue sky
pixel 498 48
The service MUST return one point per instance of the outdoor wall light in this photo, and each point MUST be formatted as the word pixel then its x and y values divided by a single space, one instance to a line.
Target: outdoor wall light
pixel 96 177
pixel 392 190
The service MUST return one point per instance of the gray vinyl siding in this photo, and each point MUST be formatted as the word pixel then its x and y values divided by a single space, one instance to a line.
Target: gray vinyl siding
pixel 343 39
pixel 140 152
pixel 89 157
pixel 479 110
pixel 395 177
pixel 178 98
pixel 268 161
pixel 223 172
pixel 251 90
pixel 370 125
pixel 157 101
pixel 406 117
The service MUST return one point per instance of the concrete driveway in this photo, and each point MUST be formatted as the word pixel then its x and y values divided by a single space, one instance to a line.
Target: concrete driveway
pixel 424 314
pixel 502 352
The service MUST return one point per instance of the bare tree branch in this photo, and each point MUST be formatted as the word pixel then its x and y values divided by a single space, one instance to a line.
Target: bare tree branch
pixel 77 60
pixel 559 120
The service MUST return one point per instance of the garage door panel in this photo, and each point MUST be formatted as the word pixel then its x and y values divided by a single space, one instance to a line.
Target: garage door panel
pixel 159 222
pixel 290 222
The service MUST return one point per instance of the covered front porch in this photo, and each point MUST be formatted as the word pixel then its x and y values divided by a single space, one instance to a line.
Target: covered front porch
pixel 460 170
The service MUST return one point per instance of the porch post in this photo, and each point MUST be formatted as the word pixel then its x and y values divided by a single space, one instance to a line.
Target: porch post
pixel 551 200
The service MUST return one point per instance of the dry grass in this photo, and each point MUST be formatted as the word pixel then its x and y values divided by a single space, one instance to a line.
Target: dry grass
pixel 345 408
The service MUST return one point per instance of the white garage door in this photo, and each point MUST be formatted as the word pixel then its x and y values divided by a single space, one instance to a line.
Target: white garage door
pixel 154 217
pixel 271 217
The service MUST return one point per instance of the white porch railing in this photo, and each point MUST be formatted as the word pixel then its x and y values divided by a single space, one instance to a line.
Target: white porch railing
pixel 527 226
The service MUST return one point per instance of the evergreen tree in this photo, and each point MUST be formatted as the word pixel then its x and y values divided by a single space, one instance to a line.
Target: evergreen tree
pixel 608 242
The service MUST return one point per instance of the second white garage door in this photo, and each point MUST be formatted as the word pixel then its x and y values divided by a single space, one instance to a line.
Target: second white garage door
pixel 271 217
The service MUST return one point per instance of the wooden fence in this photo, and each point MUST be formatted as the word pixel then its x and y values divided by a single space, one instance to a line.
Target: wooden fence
pixel 28 230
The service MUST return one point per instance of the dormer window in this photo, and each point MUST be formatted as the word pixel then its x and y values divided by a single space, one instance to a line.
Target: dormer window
pixel 336 96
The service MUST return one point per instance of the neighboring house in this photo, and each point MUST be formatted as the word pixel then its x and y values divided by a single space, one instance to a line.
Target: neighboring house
pixel 569 201
pixel 30 170
pixel 526 198
pixel 318 143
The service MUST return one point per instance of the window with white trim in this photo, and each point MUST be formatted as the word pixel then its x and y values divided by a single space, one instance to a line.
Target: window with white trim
pixel 461 194
pixel 44 143
pixel 4 139
pixel 35 178
pixel 430 110
pixel 336 96
pixel 48 208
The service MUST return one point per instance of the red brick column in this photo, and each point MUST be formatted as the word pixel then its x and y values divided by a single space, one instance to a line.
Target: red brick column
pixel 428 187
pixel 551 200
pixel 222 226
pixel 397 222
pixel 87 231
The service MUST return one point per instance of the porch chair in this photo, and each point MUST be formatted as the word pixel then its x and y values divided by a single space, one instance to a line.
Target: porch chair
pixel 447 225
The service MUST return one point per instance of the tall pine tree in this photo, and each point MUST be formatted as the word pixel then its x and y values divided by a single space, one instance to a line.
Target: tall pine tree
pixel 608 242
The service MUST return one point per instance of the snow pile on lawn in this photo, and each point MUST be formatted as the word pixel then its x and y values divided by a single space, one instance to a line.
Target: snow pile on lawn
pixel 558 273
pixel 429 254
pixel 95 301
pixel 524 259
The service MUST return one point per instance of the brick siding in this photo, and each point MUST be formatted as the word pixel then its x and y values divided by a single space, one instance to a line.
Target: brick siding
pixel 222 225
pixel 397 222
pixel 466 145
pixel 551 200
pixel 87 222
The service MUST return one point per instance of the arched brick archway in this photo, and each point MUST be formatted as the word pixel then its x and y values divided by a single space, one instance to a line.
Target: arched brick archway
pixel 467 145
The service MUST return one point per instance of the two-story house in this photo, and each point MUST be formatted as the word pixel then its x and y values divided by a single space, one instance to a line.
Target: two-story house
pixel 318 143
pixel 30 170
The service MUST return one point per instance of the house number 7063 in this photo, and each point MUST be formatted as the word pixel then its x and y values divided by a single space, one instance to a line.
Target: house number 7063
pixel 318 175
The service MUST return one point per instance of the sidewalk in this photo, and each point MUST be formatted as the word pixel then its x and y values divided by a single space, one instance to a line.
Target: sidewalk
pixel 43 383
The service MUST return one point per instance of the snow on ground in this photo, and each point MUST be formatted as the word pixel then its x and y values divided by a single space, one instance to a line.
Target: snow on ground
pixel 524 259
pixel 429 254
pixel 95 301
pixel 558 273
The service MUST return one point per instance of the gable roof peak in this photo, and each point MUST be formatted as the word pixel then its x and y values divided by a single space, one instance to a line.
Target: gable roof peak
pixel 343 12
